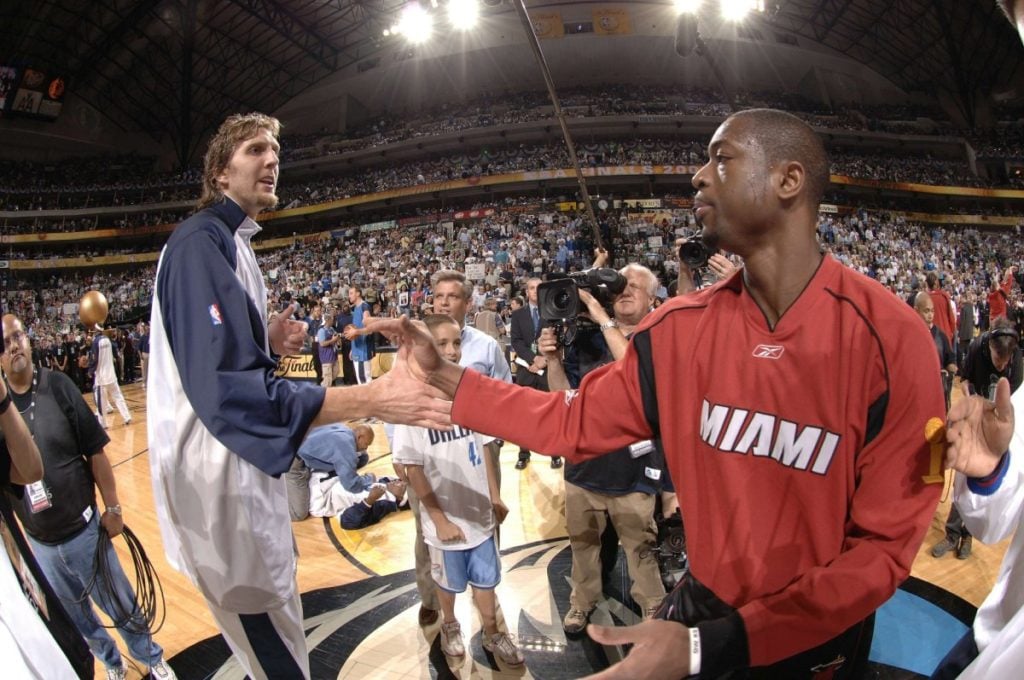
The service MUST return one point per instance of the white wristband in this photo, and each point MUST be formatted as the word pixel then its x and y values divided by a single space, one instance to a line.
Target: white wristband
pixel 694 651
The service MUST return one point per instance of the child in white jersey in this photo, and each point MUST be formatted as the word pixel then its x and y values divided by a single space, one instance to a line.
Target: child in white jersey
pixel 460 508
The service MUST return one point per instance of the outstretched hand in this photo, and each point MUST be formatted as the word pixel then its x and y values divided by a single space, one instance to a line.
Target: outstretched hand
pixel 416 348
pixel 418 388
pixel 285 333
pixel 661 650
pixel 979 431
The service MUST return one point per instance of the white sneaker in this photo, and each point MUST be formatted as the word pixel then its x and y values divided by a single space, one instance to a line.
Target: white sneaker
pixel 162 671
pixel 117 673
pixel 451 639
pixel 501 646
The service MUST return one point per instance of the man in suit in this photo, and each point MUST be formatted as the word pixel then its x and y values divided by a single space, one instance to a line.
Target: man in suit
pixel 966 331
pixel 531 364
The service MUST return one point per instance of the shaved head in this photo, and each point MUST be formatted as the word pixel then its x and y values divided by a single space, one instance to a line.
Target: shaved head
pixel 364 436
pixel 785 138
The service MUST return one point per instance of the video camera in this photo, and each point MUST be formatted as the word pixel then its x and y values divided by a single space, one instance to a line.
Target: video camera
pixel 559 304
pixel 693 252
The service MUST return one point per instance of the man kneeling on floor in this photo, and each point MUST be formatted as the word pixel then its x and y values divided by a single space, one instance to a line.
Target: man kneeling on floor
pixel 323 480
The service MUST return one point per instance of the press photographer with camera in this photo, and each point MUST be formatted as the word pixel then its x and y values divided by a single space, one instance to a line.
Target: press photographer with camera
pixel 621 486
pixel 694 256
pixel 530 364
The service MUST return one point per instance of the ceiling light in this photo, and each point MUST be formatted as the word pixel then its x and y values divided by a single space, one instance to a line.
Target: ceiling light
pixel 463 14
pixel 737 10
pixel 687 6
pixel 416 24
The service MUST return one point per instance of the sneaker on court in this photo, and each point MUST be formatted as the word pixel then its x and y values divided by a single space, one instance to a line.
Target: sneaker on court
pixel 942 547
pixel 118 672
pixel 451 639
pixel 162 671
pixel 575 621
pixel 501 646
pixel 963 551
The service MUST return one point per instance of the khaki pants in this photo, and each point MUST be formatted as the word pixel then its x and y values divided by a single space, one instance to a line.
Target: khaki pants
pixel 424 580
pixel 329 372
pixel 632 515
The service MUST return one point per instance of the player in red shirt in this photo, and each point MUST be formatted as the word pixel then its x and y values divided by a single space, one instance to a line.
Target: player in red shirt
pixel 794 401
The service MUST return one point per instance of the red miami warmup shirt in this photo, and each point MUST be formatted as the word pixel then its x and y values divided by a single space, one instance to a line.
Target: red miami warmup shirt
pixel 798 453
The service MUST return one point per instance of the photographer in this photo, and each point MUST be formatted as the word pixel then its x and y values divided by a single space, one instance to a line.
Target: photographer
pixel 689 279
pixel 620 486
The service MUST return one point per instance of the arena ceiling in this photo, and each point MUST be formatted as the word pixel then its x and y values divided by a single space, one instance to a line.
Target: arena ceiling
pixel 173 68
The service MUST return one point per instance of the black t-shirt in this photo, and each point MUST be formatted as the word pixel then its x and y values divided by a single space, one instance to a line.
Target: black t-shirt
pixel 33 582
pixel 980 372
pixel 67 434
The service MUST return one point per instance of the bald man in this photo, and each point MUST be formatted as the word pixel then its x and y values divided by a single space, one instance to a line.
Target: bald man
pixel 340 449
pixel 924 305
pixel 792 400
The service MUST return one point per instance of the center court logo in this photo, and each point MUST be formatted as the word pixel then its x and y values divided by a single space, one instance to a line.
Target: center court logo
pixel 769 351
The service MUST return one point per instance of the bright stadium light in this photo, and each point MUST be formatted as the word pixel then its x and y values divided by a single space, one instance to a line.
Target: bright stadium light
pixel 463 14
pixel 687 6
pixel 416 24
pixel 737 10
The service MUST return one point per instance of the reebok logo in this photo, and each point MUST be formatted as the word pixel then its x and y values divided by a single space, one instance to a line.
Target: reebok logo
pixel 769 351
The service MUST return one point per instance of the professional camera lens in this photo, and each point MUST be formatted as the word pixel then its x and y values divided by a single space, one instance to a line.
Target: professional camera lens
pixel 693 253
pixel 563 300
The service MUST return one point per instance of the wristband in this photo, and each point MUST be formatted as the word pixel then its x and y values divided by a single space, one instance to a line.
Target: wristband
pixel 694 651
pixel 113 510
pixel 5 403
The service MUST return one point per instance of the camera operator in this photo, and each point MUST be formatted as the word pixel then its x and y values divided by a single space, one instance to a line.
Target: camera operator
pixel 620 486
pixel 531 366
pixel 720 265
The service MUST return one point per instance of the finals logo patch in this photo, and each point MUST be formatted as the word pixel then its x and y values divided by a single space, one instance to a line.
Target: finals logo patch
pixel 215 315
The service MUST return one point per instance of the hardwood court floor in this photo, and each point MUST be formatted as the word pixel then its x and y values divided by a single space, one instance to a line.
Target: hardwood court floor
pixel 536 501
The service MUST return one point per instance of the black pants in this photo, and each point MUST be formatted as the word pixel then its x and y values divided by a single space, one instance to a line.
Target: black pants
pixel 317 366
pixel 955 529
pixel 690 602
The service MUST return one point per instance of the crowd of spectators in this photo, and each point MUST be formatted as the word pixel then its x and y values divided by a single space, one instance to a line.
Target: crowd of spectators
pixel 129 180
pixel 393 267
pixel 915 169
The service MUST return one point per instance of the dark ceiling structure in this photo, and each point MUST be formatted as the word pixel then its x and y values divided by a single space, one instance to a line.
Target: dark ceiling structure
pixel 965 49
pixel 174 68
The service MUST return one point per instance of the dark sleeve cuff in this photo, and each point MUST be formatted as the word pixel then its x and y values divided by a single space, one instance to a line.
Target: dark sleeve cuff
pixel 723 646
pixel 986 486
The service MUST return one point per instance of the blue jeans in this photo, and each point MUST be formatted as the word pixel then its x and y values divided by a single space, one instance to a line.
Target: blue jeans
pixel 69 567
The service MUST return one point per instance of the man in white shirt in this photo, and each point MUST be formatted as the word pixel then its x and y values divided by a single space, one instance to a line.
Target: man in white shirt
pixel 104 384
